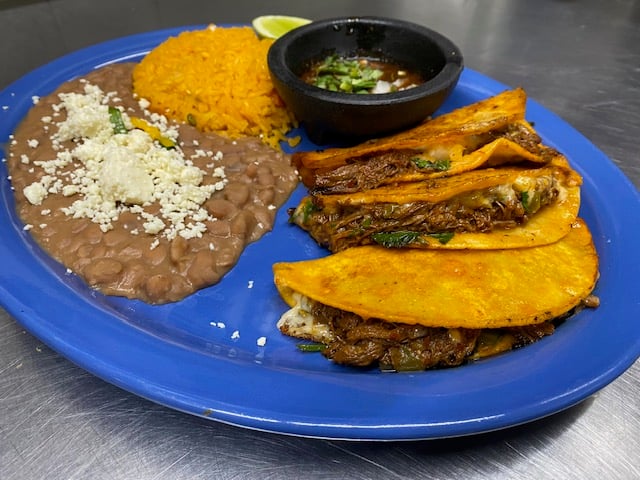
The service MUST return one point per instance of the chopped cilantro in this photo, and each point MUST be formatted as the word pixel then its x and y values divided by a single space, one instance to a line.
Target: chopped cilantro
pixel 303 212
pixel 311 347
pixel 530 201
pixel 442 237
pixel 397 239
pixel 403 238
pixel 438 165
pixel 115 117
pixel 340 74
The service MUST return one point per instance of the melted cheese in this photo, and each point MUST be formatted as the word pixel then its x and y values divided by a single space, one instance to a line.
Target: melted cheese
pixel 299 322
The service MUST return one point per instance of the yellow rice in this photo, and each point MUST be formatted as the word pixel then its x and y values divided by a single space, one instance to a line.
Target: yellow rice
pixel 218 80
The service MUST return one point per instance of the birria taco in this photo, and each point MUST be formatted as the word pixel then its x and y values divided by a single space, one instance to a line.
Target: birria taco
pixel 478 177
pixel 509 207
pixel 413 309
pixel 487 133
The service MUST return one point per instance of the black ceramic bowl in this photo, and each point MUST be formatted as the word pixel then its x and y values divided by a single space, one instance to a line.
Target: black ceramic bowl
pixel 329 116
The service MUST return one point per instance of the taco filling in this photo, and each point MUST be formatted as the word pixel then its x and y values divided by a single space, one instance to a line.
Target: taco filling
pixel 347 338
pixel 416 213
pixel 477 177
pixel 487 133
pixel 414 309
pixel 439 159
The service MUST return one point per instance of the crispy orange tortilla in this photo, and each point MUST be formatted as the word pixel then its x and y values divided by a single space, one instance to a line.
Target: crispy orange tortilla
pixel 480 117
pixel 451 289
pixel 454 128
pixel 548 225
pixel 443 188
pixel 500 151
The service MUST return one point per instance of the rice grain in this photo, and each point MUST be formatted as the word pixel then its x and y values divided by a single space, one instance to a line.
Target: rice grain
pixel 218 80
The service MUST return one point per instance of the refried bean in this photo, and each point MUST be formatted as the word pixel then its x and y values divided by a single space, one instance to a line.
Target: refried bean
pixel 124 260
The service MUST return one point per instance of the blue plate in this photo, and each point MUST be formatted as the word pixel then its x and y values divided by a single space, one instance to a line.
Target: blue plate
pixel 185 356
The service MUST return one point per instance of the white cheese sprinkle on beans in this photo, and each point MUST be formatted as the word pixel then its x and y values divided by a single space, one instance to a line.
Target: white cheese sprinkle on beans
pixel 122 170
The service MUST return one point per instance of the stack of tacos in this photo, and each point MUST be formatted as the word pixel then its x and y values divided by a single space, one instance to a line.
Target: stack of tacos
pixel 452 241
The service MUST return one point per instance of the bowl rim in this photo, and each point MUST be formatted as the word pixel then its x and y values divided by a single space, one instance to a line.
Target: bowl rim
pixel 453 66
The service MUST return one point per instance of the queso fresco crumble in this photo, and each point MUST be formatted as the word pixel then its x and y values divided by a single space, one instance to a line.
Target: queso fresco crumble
pixel 122 171
pixel 135 204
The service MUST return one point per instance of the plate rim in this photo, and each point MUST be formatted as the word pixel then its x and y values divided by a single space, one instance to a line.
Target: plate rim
pixel 197 403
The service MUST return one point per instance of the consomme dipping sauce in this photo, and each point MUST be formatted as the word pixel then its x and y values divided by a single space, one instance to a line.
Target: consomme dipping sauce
pixel 136 205
pixel 360 75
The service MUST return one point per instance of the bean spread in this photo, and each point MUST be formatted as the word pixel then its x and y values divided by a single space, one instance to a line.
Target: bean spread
pixel 157 225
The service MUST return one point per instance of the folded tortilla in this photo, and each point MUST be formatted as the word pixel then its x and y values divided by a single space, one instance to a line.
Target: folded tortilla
pixel 451 289
pixel 490 208
pixel 409 309
pixel 497 253
pixel 487 133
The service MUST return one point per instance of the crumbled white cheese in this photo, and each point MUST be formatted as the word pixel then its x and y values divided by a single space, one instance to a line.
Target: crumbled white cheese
pixel 122 178
pixel 262 341
pixel 235 335
pixel 69 190
pixel 35 193
pixel 144 103
pixel 154 225
pixel 87 117
pixel 119 172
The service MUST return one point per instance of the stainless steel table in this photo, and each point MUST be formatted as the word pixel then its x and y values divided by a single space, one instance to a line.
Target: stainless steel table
pixel 579 59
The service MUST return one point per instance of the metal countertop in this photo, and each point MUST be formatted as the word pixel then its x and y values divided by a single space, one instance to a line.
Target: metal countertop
pixel 580 60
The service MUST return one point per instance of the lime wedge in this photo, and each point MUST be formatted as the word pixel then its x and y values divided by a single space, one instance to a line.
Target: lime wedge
pixel 274 26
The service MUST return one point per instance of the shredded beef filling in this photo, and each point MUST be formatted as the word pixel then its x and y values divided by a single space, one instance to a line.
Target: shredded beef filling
pixel 402 347
pixel 371 171
pixel 366 173
pixel 344 226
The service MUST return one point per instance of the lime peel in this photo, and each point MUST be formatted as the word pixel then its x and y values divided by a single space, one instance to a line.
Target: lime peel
pixel 274 26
